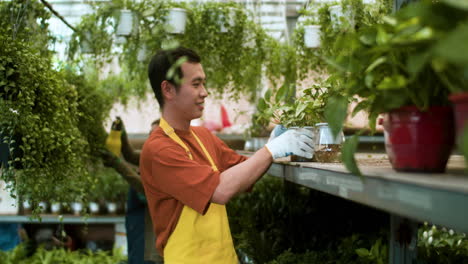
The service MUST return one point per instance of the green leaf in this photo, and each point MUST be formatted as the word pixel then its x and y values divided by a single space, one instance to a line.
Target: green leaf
pixel 453 47
pixel 362 252
pixel 300 109
pixel 281 94
pixel 376 63
pixel 462 4
pixel 261 105
pixel 416 62
pixel 335 113
pixel 349 148
pixel 382 36
pixel 267 95
pixel 394 82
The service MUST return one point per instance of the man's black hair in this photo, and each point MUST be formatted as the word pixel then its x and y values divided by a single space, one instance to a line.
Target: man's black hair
pixel 160 65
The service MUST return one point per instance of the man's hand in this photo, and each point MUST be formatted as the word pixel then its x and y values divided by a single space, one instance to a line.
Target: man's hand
pixel 108 158
pixel 292 142
pixel 276 132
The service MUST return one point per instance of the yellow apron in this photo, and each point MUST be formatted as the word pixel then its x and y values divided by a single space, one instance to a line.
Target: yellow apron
pixel 204 239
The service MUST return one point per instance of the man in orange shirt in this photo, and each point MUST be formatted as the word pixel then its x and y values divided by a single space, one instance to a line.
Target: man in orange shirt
pixel 189 174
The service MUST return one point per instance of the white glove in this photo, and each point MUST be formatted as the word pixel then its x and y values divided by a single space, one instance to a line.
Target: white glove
pixel 277 131
pixel 293 142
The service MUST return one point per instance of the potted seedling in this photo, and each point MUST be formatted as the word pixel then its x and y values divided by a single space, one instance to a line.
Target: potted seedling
pixel 304 111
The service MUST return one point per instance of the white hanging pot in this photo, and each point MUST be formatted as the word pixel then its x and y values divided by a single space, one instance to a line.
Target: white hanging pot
pixel 336 15
pixel 85 43
pixel 26 205
pixel 312 36
pixel 94 207
pixel 125 26
pixel 111 207
pixel 142 53
pixel 43 207
pixel 176 20
pixel 336 12
pixel 55 208
pixel 228 19
pixel 76 208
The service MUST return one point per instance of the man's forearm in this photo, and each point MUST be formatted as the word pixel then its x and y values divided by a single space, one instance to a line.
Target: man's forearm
pixel 239 178
pixel 129 154
pixel 130 175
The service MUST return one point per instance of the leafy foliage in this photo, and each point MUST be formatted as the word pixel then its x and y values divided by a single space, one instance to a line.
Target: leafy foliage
pixel 439 245
pixel 60 255
pixel 306 110
pixel 40 110
pixel 277 216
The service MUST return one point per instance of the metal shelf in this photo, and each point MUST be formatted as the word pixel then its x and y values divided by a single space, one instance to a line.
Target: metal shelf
pixel 437 198
pixel 66 219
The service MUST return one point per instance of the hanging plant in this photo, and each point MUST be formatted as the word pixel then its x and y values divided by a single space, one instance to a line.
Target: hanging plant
pixel 44 115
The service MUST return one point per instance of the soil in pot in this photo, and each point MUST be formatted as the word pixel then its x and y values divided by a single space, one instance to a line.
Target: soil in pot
pixel 328 154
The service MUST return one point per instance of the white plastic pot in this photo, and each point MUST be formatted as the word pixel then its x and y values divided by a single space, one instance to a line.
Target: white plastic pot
pixel 230 20
pixel 336 15
pixel 55 208
pixel 125 26
pixel 312 36
pixel 176 20
pixel 26 205
pixel 85 43
pixel 43 207
pixel 142 53
pixel 111 207
pixel 76 208
pixel 93 207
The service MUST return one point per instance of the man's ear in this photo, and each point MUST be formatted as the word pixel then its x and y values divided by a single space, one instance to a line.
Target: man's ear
pixel 168 90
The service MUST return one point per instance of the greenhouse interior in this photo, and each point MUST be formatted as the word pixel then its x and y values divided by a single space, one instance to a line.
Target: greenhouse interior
pixel 244 131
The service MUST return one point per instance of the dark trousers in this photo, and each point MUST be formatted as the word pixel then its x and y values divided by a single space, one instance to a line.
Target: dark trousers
pixel 135 225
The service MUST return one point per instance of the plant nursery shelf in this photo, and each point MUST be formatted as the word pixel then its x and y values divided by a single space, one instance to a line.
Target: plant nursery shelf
pixel 436 198
pixel 66 219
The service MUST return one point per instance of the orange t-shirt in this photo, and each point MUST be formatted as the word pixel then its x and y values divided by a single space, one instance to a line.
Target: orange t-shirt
pixel 171 179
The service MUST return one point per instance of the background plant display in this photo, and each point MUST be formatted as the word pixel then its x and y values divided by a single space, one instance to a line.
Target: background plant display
pixel 39 119
pixel 313 227
pixel 232 59
pixel 307 225
pixel 52 117
pixel 392 64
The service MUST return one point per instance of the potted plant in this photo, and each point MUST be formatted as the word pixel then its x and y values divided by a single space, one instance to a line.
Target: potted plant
pixel 114 189
pixel 447 58
pixel 383 64
pixel 304 111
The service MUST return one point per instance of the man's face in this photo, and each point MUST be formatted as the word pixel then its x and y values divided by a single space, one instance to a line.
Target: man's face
pixel 190 98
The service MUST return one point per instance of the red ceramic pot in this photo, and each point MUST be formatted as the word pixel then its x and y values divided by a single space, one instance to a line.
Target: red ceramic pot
pixel 460 103
pixel 419 141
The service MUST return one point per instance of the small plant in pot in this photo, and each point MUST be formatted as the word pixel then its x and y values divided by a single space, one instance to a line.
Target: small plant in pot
pixel 292 113
pixel 386 66
pixel 114 189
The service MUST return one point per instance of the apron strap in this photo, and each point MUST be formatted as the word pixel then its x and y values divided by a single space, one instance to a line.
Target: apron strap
pixel 171 133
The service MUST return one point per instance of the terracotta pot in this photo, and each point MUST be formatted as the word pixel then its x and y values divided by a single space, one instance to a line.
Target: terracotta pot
pixel 419 141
